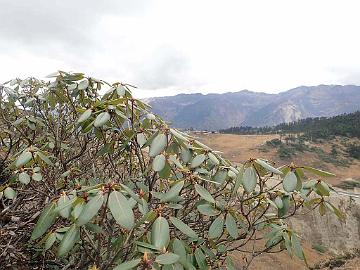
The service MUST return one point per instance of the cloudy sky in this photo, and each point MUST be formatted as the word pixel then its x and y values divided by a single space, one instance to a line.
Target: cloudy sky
pixel 168 47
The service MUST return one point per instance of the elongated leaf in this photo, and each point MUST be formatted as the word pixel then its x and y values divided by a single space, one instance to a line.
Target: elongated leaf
pixel 249 179
pixel 186 155
pixel 159 163
pixel 178 135
pixel 231 226
pixel 289 182
pixel 90 209
pixel 279 202
pixel 64 204
pixel 128 265
pixel 220 176
pixel 213 158
pixel 204 193
pixel 179 249
pixel 173 192
pixel 296 245
pixel 45 220
pixel 160 233
pixel 85 116
pixel 207 210
pixel 197 161
pixel 167 258
pixel 185 229
pixel 216 228
pixel 120 209
pixel 68 241
pixel 158 145
pixel 267 166
pixel 24 158
pixel 101 119
pixel 318 172
pixel 200 259
pixel 50 241
pixel 44 158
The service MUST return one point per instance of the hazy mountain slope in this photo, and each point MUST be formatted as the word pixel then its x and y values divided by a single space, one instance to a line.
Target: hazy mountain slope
pixel 215 111
pixel 303 102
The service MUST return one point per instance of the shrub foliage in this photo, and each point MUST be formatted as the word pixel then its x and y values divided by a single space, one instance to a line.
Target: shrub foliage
pixel 97 180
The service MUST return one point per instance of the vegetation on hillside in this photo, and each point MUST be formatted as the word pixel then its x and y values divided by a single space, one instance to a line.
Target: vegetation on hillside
pixel 347 125
pixel 98 181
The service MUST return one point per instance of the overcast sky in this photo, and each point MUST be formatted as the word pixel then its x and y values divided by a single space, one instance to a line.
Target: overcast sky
pixel 169 47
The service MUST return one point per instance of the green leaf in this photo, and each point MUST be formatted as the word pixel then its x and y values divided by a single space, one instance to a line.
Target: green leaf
pixel 318 172
pixel 231 226
pixel 45 220
pixel 204 193
pixel 267 166
pixel 131 193
pixel 85 116
pixel 167 258
pixel 322 189
pixel 178 135
pixel 160 233
pixel 229 263
pixel 207 210
pixel 64 203
pixel 220 176
pixel 50 241
pixel 83 84
pixel 197 161
pixel 37 177
pixel 213 158
pixel 24 158
pixel 179 249
pixel 120 209
pixel 216 228
pixel 279 202
pixel 24 178
pixel 296 245
pixel 158 145
pixel 173 192
pixel 159 163
pixel 101 119
pixel 286 204
pixel 68 240
pixel 141 139
pixel 249 179
pixel 44 158
pixel 185 229
pixel 186 155
pixel 128 265
pixel 200 259
pixel 90 209
pixel 120 90
pixel 290 182
pixel 9 193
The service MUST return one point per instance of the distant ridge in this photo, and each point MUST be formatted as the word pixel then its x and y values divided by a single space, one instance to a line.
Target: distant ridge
pixel 247 108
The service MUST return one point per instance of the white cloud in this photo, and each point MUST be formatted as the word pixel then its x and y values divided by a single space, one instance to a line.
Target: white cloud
pixel 168 47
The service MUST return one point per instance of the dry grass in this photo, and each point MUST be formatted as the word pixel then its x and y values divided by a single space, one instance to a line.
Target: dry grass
pixel 239 148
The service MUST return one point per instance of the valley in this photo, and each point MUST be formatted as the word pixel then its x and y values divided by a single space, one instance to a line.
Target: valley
pixel 319 240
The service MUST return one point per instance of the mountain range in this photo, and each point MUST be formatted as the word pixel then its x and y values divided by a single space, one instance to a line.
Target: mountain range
pixel 247 108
